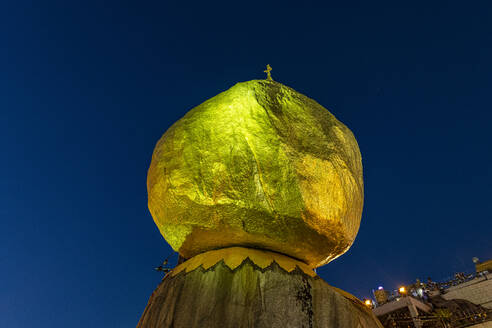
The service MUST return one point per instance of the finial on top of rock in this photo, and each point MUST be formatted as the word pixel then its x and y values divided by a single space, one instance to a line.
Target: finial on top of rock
pixel 268 70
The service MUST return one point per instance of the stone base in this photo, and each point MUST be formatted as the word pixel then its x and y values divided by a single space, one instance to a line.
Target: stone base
pixel 250 295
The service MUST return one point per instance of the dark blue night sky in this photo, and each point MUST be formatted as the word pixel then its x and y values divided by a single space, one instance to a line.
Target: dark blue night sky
pixel 87 88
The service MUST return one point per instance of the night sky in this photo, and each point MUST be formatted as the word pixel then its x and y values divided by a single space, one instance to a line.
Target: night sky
pixel 87 88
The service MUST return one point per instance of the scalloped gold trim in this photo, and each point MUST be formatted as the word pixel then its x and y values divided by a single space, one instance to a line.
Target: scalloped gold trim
pixel 234 256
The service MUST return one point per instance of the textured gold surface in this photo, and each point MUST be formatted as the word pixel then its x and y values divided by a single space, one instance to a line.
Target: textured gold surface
pixel 261 166
pixel 234 256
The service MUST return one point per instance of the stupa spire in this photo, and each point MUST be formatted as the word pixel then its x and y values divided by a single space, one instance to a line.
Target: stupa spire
pixel 268 70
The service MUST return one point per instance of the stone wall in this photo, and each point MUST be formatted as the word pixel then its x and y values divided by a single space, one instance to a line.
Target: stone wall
pixel 478 291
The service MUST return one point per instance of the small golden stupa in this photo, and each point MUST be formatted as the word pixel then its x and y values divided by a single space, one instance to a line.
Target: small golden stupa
pixel 261 167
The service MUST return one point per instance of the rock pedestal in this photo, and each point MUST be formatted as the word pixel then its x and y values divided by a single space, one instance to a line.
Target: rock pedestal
pixel 249 294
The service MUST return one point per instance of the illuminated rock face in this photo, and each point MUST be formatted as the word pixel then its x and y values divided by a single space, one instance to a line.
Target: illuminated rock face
pixel 261 166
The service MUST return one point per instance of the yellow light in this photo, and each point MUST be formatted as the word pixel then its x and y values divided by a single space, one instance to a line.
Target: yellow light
pixel 368 303
pixel 402 290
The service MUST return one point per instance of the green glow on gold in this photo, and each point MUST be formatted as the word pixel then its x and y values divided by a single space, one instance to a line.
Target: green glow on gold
pixel 259 165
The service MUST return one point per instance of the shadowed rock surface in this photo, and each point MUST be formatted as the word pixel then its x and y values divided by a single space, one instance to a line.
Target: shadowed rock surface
pixel 252 297
pixel 456 306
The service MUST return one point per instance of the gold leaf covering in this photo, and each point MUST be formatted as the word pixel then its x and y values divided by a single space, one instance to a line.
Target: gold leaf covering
pixel 235 256
pixel 261 166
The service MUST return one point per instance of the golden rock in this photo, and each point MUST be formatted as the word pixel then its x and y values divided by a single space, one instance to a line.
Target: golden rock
pixel 260 166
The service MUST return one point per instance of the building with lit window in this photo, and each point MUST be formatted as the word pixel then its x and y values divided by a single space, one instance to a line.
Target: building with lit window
pixel 463 301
